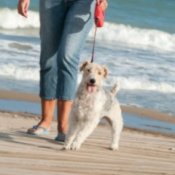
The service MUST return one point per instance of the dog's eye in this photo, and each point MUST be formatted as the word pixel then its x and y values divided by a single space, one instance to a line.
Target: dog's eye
pixel 99 73
pixel 88 70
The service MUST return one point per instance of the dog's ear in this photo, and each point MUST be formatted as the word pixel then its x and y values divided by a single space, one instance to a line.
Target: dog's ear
pixel 105 70
pixel 84 65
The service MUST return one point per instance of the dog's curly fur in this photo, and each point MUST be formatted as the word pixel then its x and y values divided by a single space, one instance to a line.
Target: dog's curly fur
pixel 90 107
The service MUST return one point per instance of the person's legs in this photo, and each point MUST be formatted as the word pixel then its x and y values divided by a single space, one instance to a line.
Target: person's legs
pixel 43 126
pixel 64 27
pixel 52 19
pixel 52 15
pixel 64 108
pixel 48 107
pixel 78 22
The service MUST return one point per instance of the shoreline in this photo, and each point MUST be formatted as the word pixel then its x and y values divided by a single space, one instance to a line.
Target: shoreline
pixel 135 118
pixel 101 124
pixel 140 111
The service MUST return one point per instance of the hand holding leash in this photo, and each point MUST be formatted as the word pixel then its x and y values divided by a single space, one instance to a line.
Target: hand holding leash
pixel 103 4
pixel 100 7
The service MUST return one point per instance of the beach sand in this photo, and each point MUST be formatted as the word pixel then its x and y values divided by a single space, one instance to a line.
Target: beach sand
pixel 140 153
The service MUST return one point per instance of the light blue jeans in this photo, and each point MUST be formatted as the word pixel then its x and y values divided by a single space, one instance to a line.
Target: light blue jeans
pixel 65 25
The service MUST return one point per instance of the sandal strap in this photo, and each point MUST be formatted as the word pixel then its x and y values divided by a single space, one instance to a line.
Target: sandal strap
pixel 60 137
pixel 38 130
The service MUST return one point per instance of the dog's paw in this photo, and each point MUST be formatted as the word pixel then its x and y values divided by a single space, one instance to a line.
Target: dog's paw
pixel 114 147
pixel 67 147
pixel 75 146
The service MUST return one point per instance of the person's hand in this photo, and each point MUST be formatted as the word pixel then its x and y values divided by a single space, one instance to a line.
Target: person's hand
pixel 23 6
pixel 103 3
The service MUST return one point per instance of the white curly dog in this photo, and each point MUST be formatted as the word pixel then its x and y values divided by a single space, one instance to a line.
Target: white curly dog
pixel 92 103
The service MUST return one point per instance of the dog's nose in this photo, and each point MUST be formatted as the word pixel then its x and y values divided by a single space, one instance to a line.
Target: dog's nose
pixel 92 81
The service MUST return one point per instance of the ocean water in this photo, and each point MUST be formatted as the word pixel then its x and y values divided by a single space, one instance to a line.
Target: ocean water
pixel 137 44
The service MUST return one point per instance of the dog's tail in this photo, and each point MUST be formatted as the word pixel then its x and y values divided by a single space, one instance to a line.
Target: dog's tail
pixel 115 89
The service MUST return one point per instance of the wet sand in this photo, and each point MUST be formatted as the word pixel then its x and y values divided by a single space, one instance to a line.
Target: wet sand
pixel 142 112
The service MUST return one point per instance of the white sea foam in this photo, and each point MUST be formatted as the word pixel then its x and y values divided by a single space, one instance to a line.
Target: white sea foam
pixel 23 63
pixel 136 37
pixel 143 84
pixel 19 61
pixel 31 73
pixel 10 19
pixel 113 33
pixel 19 73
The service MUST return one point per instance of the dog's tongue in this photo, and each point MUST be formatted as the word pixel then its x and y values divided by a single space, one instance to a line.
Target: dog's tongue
pixel 91 88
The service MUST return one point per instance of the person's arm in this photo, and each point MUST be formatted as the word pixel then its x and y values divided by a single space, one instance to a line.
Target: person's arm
pixel 103 4
pixel 23 6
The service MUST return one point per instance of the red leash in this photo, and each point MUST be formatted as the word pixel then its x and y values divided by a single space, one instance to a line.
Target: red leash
pixel 99 21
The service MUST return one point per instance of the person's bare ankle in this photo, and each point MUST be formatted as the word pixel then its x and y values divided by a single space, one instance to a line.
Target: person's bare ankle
pixel 62 129
pixel 45 124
